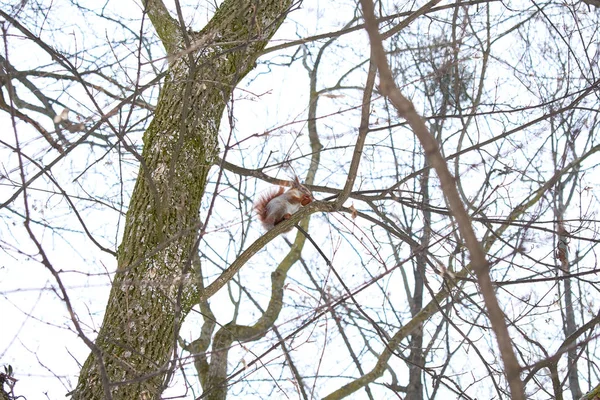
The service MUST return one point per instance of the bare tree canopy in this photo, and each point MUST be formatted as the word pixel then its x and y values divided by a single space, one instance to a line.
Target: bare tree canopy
pixel 425 175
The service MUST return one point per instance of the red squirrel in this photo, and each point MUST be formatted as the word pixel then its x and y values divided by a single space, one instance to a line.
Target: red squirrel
pixel 275 206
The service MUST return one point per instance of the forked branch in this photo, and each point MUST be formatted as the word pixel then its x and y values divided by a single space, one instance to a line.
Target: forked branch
pixel 478 257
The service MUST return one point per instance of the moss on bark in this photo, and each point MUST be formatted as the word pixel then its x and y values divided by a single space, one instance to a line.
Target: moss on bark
pixel 151 287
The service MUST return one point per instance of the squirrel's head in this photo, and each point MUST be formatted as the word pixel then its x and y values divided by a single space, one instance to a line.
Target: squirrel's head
pixel 303 191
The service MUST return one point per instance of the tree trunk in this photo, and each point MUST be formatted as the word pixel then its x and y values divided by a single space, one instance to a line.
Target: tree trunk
pixel 153 290
pixel 414 390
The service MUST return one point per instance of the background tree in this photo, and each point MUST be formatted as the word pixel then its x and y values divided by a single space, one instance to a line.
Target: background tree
pixel 132 162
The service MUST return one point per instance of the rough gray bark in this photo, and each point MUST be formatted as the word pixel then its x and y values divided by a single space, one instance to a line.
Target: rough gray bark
pixel 152 291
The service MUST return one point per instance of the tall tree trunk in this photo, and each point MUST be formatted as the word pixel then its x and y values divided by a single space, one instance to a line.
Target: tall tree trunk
pixel 569 326
pixel 562 199
pixel 153 291
pixel 414 390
